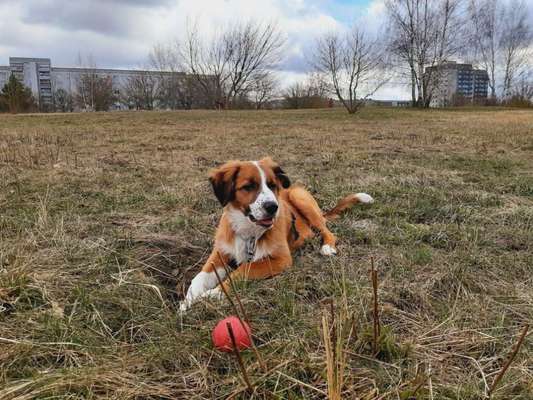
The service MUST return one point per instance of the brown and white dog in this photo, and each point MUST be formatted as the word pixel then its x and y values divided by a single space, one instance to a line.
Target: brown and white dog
pixel 265 218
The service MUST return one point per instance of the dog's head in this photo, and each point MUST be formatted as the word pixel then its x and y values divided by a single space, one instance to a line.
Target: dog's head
pixel 251 187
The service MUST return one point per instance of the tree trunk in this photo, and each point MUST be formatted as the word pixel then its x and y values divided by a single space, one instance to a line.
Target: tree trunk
pixel 413 88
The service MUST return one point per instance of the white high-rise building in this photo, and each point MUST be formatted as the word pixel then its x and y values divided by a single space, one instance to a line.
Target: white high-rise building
pixel 454 84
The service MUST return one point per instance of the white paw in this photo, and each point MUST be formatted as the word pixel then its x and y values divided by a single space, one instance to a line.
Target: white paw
pixel 365 198
pixel 215 294
pixel 328 250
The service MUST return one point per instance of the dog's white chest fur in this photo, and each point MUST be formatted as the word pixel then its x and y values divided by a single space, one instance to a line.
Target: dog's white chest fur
pixel 245 250
pixel 246 246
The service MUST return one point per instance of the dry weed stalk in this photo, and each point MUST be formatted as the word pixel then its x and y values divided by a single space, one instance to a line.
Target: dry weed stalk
pixel 430 382
pixel 335 355
pixel 239 357
pixel 509 360
pixel 375 313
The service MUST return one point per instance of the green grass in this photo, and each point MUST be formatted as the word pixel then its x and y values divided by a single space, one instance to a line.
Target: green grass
pixel 105 218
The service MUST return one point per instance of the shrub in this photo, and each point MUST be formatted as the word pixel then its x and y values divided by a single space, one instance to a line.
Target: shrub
pixel 15 97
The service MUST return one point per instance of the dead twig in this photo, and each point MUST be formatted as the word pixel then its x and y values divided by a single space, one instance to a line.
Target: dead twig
pixel 258 380
pixel 509 360
pixel 224 290
pixel 239 357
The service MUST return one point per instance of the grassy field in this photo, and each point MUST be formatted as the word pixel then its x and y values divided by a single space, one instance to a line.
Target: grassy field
pixel 102 215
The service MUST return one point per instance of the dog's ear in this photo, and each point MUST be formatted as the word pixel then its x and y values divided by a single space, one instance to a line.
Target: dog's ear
pixel 222 180
pixel 282 176
pixel 278 171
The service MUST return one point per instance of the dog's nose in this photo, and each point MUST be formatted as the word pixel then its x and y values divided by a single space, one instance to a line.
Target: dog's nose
pixel 270 207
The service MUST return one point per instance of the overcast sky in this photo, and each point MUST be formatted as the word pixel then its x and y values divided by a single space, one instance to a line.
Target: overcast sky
pixel 120 33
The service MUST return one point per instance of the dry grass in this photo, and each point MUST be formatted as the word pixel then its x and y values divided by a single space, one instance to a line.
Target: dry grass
pixel 101 215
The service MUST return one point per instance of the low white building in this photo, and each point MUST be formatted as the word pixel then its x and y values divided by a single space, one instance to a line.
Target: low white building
pixel 44 80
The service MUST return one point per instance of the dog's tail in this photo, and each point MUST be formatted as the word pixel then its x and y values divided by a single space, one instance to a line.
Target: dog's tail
pixel 346 203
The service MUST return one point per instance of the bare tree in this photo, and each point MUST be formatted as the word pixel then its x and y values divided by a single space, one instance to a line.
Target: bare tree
pixel 521 94
pixel 94 91
pixel 63 101
pixel 174 90
pixel 485 33
pixel 501 36
pixel 313 92
pixel 230 62
pixel 424 33
pixel 140 90
pixel 354 65
pixel 515 43
pixel 263 89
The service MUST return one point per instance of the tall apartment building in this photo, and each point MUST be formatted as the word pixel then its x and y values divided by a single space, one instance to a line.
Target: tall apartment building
pixel 44 80
pixel 35 73
pixel 452 83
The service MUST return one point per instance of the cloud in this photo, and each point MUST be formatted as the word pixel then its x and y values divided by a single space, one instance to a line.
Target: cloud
pixel 110 19
pixel 129 28
pixel 121 33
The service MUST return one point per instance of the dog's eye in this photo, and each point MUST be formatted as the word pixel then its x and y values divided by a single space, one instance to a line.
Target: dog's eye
pixel 271 185
pixel 249 187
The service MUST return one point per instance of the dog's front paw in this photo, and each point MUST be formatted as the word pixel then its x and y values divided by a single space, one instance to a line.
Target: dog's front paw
pixel 215 294
pixel 328 250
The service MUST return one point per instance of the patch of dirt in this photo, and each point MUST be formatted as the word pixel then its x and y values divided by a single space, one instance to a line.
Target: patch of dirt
pixel 170 261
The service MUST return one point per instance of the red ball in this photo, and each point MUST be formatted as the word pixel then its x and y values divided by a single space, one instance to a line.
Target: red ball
pixel 241 331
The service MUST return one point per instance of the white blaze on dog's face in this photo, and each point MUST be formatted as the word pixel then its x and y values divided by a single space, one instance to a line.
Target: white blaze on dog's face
pixel 265 206
pixel 250 188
